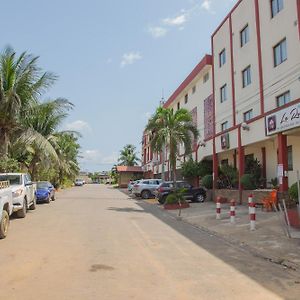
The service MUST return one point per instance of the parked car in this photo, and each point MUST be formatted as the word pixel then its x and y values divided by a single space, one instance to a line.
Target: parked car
pixel 23 192
pixel 190 193
pixel 45 192
pixel 79 182
pixel 6 207
pixel 145 188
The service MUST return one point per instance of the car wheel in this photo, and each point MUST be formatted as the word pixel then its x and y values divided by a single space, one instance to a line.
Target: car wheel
pixel 146 194
pixel 200 198
pixel 4 223
pixel 21 213
pixel 53 198
pixel 48 199
pixel 33 205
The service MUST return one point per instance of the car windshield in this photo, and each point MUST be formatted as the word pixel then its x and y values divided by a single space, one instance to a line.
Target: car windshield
pixel 42 185
pixel 13 179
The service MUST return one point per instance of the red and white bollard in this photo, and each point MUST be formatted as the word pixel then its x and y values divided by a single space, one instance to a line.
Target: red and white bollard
pixel 252 215
pixel 250 199
pixel 232 211
pixel 218 209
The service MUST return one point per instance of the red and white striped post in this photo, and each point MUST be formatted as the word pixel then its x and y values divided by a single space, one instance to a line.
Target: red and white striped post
pixel 218 208
pixel 252 215
pixel 250 199
pixel 232 211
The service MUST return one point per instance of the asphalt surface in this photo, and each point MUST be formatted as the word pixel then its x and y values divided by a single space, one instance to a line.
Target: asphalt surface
pixel 94 242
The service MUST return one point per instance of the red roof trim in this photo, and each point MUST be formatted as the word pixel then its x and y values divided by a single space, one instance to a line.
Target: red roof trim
pixel 226 18
pixel 129 169
pixel 207 60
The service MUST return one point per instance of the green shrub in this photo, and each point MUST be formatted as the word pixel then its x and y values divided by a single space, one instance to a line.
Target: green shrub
pixel 176 197
pixel 192 169
pixel 189 169
pixel 207 181
pixel 228 176
pixel 293 191
pixel 171 199
pixel 248 182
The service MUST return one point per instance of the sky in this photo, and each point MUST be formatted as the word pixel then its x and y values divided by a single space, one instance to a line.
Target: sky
pixel 114 59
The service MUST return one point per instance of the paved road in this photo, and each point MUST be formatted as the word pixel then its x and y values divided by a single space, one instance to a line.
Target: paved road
pixel 96 243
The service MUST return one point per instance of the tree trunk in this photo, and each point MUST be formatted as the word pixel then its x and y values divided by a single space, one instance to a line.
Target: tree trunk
pixel 3 143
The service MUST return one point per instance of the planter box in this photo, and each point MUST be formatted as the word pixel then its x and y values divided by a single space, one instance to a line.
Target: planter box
pixel 176 206
pixel 294 217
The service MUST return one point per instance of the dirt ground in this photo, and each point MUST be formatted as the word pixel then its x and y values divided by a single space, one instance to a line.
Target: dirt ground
pixel 94 242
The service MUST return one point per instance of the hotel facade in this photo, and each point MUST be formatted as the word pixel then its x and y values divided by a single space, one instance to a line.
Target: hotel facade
pixel 245 96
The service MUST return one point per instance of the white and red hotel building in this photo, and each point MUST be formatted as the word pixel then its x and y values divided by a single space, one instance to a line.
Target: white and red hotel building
pixel 245 97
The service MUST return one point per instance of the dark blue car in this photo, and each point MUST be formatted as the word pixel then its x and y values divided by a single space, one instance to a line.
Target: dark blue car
pixel 45 192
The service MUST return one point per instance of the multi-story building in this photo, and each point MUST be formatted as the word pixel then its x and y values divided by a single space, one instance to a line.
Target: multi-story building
pixel 192 94
pixel 254 83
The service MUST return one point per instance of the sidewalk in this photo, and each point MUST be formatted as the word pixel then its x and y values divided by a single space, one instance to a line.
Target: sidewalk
pixel 268 240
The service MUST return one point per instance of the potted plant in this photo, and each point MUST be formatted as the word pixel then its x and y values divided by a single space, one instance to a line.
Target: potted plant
pixel 176 200
pixel 292 210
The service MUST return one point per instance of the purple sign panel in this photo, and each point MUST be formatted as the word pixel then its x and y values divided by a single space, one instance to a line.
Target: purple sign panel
pixel 208 117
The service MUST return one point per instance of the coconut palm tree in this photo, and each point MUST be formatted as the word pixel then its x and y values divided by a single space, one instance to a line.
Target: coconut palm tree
pixel 128 156
pixel 21 84
pixel 172 130
pixel 40 131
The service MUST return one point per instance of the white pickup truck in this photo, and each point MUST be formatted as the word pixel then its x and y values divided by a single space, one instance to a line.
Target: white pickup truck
pixel 23 192
pixel 6 207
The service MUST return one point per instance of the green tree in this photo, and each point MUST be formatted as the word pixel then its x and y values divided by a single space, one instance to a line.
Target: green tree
pixel 172 130
pixel 22 82
pixel 128 156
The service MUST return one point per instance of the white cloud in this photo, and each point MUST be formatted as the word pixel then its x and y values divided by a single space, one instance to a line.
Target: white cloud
pixel 206 4
pixel 130 58
pixel 78 125
pixel 95 157
pixel 176 21
pixel 158 31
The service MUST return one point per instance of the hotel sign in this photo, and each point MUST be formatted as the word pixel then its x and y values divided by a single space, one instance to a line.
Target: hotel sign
pixel 284 119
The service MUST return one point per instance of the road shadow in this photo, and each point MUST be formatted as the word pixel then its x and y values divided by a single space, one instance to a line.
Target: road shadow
pixel 127 209
pixel 274 277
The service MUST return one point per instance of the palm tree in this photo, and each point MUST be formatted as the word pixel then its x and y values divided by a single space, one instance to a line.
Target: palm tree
pixel 21 84
pixel 172 130
pixel 128 156
pixel 40 132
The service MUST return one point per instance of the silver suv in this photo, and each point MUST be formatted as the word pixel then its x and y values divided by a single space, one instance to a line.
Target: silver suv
pixel 145 188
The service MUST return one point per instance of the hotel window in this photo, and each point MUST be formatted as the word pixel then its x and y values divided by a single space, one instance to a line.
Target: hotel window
pixel 245 35
pixel 194 89
pixel 276 7
pixel 178 105
pixel 205 77
pixel 224 126
pixel 246 73
pixel 186 98
pixel 283 99
pixel 223 93
pixel 280 53
pixel 248 115
pixel 222 58
pixel 290 158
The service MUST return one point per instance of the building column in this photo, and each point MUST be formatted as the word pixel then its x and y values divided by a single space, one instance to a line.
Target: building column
pixel 264 166
pixel 241 163
pixel 215 167
pixel 283 161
